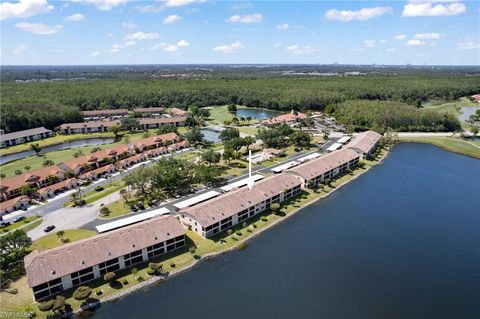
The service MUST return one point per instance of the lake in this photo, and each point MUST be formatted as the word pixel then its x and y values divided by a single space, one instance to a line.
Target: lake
pixel 402 241
pixel 256 113
pixel 58 147
pixel 210 135
pixel 466 112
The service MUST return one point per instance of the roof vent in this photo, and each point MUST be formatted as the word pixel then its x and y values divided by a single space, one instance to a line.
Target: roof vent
pixel 53 272
pixel 109 253
pixel 133 245
pixel 83 262
pixel 156 237
pixel 168 234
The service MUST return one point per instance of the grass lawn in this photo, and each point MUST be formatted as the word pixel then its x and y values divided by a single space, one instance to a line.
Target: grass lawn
pixel 59 156
pixel 52 240
pixel 451 107
pixel 118 208
pixel 219 114
pixel 20 223
pixel 456 145
pixel 248 130
pixel 93 196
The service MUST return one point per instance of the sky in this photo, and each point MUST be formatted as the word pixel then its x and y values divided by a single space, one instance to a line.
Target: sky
pixel 92 32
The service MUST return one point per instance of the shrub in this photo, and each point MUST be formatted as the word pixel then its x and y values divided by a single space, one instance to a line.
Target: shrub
pixel 45 306
pixel 150 272
pixel 192 250
pixel 244 224
pixel 254 225
pixel 238 233
pixel 140 278
pixel 12 291
pixel 82 293
pixel 109 276
pixel 264 219
pixel 99 188
pixel 104 211
pixel 125 282
pixel 173 265
pixel 98 292
pixel 134 271
pixel 229 232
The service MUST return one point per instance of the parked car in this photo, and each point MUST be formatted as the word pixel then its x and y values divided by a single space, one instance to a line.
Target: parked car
pixel 49 228
pixel 19 219
pixel 134 208
pixel 140 206
pixel 4 224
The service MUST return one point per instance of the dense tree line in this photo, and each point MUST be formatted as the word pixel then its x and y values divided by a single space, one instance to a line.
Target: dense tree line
pixel 50 104
pixel 381 115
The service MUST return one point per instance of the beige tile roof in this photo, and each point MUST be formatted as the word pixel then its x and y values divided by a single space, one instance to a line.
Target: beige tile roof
pixel 364 141
pixel 91 124
pixel 323 164
pixel 33 176
pixel 285 118
pixel 106 112
pixel 161 120
pixel 55 263
pixel 99 170
pixel 97 156
pixel 178 112
pixel 149 109
pixel 12 202
pixel 235 201
pixel 57 186
pixel 153 140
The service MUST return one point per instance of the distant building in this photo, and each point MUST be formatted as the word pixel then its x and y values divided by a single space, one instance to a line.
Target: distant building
pixel 291 118
pixel 174 111
pixel 476 98
pixel 149 111
pixel 25 136
pixel 104 114
pixel 55 270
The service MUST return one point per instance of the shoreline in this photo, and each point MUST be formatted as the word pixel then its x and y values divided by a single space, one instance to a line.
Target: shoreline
pixel 178 272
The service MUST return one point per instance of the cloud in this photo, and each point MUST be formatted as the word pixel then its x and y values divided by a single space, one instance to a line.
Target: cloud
pixel 179 3
pixel 470 45
pixel 229 48
pixel 22 47
pixel 427 36
pixel 39 28
pixel 117 47
pixel 242 6
pixel 284 26
pixel 416 43
pixel 24 9
pixel 103 5
pixel 361 15
pixel 75 17
pixel 172 19
pixel 138 36
pixel 296 49
pixel 168 47
pixel 247 18
pixel 400 37
pixel 95 53
pixel 432 9
pixel 129 25
pixel 369 43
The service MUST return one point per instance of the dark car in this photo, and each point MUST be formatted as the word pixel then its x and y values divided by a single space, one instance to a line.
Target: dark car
pixel 19 219
pixel 140 206
pixel 4 224
pixel 49 228
pixel 134 208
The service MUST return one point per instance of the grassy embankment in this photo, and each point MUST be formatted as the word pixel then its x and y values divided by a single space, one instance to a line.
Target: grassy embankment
pixel 182 258
pixel 29 220
pixel 456 145
pixel 93 196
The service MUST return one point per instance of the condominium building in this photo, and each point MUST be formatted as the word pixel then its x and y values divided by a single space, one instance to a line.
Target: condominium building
pixel 25 136
pixel 365 143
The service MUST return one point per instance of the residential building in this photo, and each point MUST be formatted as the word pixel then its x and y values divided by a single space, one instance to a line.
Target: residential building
pixel 149 111
pixel 104 114
pixel 55 189
pixel 55 270
pixel 149 123
pixel 156 141
pixel 39 178
pixel 222 212
pixel 25 136
pixel 174 111
pixel 87 127
pixel 324 167
pixel 365 143
pixel 290 118
pixel 13 204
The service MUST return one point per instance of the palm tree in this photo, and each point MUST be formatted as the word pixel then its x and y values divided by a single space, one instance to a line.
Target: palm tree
pixel 27 168
pixel 60 234
pixel 36 148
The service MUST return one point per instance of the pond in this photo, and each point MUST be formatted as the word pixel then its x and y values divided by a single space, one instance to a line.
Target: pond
pixel 256 113
pixel 401 241
pixel 466 112
pixel 58 147
pixel 210 135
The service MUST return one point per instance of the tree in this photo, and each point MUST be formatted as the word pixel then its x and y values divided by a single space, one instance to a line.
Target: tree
pixel 130 124
pixel 46 305
pixel 109 276
pixel 232 108
pixel 475 130
pixel 47 163
pixel 78 153
pixel 326 134
pixel 211 157
pixel 139 179
pixel 13 248
pixel 194 136
pixel 115 130
pixel 2 175
pixel 59 304
pixel 156 267
pixel 27 168
pixel 104 211
pixel 229 134
pixel 124 194
pixel 275 207
pixel 207 175
pixel 300 138
pixel 126 139
pixel 36 148
pixel 247 141
pixel 60 234
pixel 172 175
pixel 228 153
pixel 18 172
pixel 27 190
pixel 82 293
pixel 163 129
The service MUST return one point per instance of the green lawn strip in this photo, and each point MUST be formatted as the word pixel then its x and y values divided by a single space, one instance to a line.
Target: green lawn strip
pixel 52 240
pixel 93 196
pixel 181 258
pixel 22 223
pixel 117 208
pixel 456 145
pixel 248 130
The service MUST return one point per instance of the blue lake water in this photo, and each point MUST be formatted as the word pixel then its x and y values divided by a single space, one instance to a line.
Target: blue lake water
pixel 466 112
pixel 402 241
pixel 258 114
pixel 210 135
